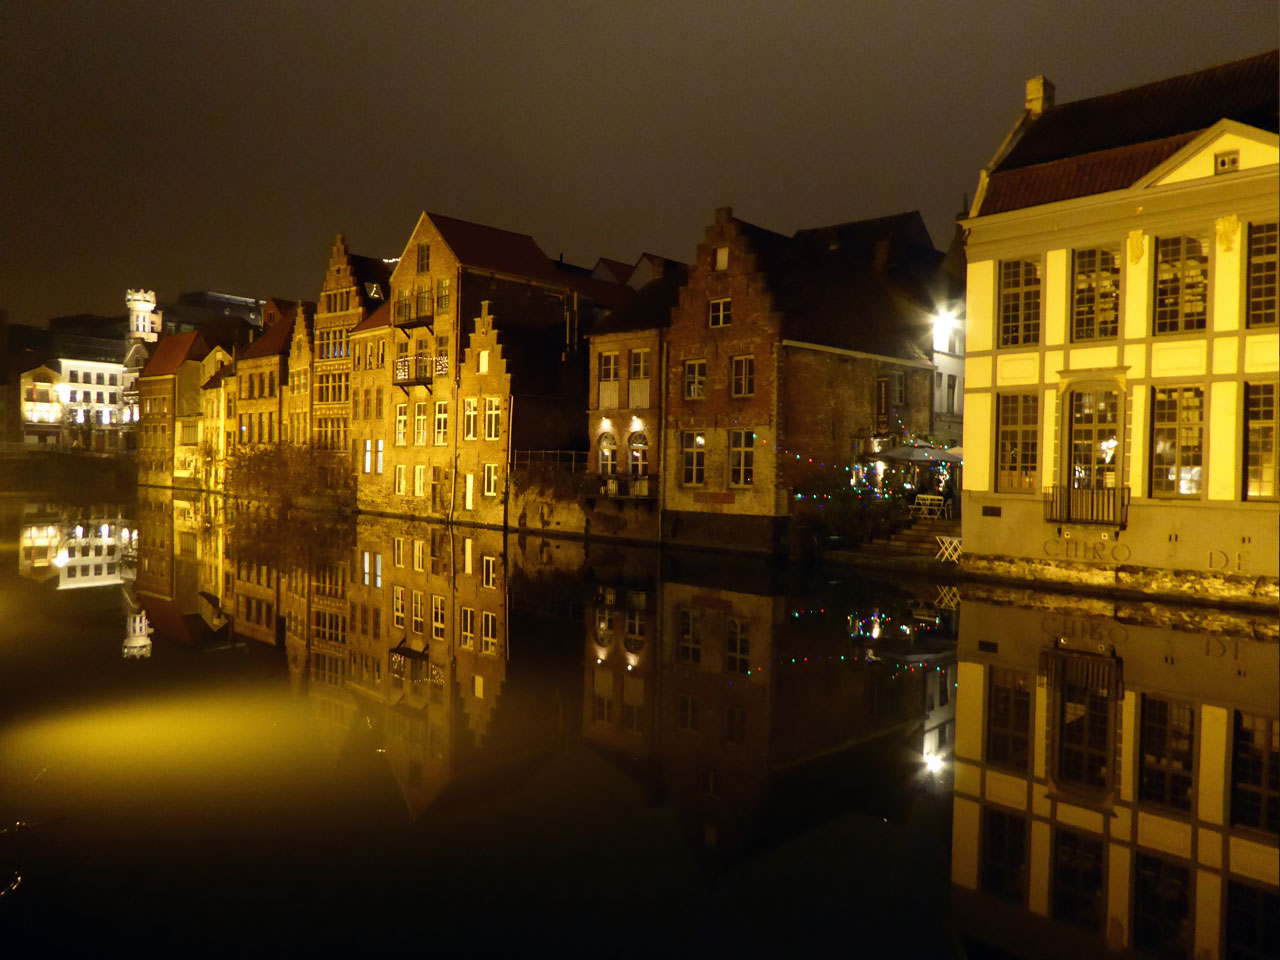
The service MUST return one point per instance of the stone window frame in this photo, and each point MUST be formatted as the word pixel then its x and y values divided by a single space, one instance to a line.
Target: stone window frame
pixel 1261 268
pixel 1261 438
pixel 1194 453
pixel 1181 278
pixel 1013 440
pixel 1019 301
pixel 1096 293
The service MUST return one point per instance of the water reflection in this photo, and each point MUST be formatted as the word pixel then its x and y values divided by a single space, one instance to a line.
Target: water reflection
pixel 1115 766
pixel 1117 778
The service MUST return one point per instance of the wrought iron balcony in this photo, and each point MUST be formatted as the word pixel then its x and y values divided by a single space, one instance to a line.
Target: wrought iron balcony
pixel 421 370
pixel 628 487
pixel 414 310
pixel 1102 506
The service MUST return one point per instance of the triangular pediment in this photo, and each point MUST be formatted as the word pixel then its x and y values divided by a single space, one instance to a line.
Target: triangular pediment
pixel 1242 147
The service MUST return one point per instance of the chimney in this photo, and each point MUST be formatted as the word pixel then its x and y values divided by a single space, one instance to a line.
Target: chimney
pixel 1039 95
pixel 724 214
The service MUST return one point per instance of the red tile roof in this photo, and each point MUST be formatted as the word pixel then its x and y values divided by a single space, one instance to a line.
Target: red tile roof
pixel 273 342
pixel 1098 172
pixel 379 318
pixel 172 351
pixel 1109 142
pixel 488 248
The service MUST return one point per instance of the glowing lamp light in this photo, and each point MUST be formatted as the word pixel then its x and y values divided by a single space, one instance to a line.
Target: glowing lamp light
pixel 103 531
pixel 943 321
pixel 61 559
pixel 933 763
pixel 636 424
pixel 606 423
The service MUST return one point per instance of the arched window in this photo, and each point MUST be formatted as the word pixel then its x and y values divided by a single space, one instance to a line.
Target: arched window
pixel 608 453
pixel 638 460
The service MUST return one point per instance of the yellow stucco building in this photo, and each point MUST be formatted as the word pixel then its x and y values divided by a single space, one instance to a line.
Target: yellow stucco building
pixel 1122 356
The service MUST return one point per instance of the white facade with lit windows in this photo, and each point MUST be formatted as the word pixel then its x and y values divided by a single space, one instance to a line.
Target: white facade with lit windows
pixel 1122 351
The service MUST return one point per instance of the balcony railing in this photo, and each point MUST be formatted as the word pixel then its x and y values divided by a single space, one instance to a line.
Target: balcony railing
pixel 419 369
pixel 570 461
pixel 1104 507
pixel 417 308
pixel 627 487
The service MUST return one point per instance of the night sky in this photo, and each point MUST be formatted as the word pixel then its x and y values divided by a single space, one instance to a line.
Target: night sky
pixel 220 145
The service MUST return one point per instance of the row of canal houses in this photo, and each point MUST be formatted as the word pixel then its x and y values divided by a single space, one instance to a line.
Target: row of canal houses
pixel 472 379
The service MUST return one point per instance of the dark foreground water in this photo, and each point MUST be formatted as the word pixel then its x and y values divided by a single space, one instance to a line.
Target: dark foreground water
pixel 227 733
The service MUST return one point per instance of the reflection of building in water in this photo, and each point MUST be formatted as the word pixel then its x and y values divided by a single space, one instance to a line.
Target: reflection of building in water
pixel 87 551
pixel 1116 783
pixel 137 628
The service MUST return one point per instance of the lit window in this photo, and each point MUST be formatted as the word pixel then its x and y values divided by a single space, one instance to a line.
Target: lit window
pixel 442 423
pixel 1177 441
pixel 490 480
pixel 489 572
pixel 1181 283
pixel 492 418
pixel 399 481
pixel 1095 294
pixel 419 480
pixel 470 415
pixel 402 423
pixel 1260 441
pixel 1260 295
pixel 694 452
pixel 1018 430
pixel 1166 752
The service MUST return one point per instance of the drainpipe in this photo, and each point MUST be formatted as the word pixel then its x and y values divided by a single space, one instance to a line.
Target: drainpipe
pixel 662 434
pixel 506 480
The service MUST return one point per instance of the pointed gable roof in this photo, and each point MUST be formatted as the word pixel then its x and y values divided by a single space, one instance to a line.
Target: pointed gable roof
pixel 488 248
pixel 172 352
pixel 379 318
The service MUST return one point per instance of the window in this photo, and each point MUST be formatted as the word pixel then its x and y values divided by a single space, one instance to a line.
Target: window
pixel 1019 302
pixel 397 551
pixel 735 725
pixel 1182 283
pixel 489 572
pixel 693 446
pixel 1095 294
pixel 689 647
pixel 1009 719
pixel 368 456
pixel 608 446
pixel 743 376
pixel 742 457
pixel 442 294
pixel 490 480
pixel 419 480
pixel 419 555
pixel 378 458
pixel 1087 688
pixel 1260 441
pixel 1003 871
pixel 470 414
pixel 399 487
pixel 738 647
pixel 437 617
pixel 418 621
pixel 492 418
pixel 1167 748
pixel 1094 439
pixel 608 367
pixel 719 312
pixel 720 259
pixel 424 257
pixel 442 423
pixel 402 424
pixel 898 387
pixel 638 462
pixel 1078 893
pixel 1260 289
pixel 1177 441
pixel 420 422
pixel 951 392
pixel 1160 906
pixel 687 713
pixel 1251 921
pixel 377 410
pixel 488 632
pixel 397 606
pixel 467 628
pixel 1018 430
pixel 695 379
pixel 639 369
pixel 1255 773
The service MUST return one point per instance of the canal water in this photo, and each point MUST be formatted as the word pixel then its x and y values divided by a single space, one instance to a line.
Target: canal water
pixel 225 731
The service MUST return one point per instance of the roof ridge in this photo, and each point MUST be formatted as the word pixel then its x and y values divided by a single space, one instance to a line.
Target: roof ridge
pixel 1237 62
